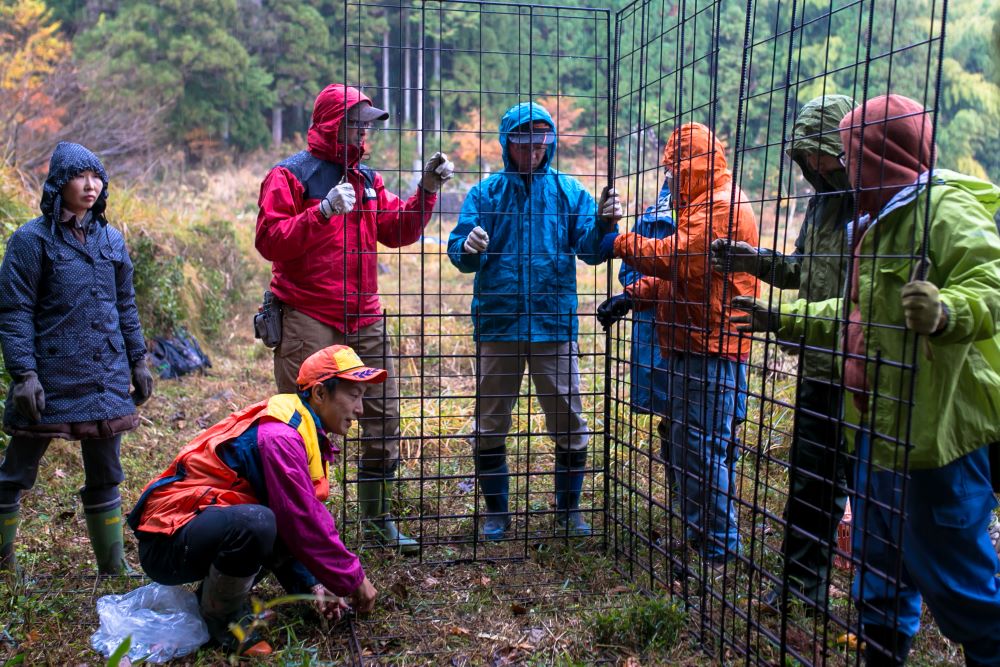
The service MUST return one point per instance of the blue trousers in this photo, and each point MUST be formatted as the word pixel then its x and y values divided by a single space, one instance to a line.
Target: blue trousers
pixel 946 558
pixel 702 404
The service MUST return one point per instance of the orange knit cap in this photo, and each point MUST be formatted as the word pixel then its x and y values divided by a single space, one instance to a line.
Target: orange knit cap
pixel 336 361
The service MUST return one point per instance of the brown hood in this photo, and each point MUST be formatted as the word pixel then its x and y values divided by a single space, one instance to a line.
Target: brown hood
pixel 894 146
pixel 698 160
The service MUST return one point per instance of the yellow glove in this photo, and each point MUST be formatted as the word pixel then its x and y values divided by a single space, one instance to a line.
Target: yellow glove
pixel 922 308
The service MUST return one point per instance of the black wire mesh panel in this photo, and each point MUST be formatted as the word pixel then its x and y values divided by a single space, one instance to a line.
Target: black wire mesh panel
pixel 746 513
pixel 502 55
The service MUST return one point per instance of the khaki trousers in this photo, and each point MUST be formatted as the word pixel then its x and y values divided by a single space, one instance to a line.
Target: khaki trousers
pixel 555 373
pixel 302 335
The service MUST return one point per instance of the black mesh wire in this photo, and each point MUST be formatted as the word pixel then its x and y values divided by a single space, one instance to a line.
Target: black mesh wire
pixel 744 72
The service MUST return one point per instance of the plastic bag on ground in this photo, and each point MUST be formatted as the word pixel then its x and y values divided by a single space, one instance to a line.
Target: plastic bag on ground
pixel 163 621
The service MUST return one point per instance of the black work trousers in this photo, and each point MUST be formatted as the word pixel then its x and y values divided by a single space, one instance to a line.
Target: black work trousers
pixel 817 493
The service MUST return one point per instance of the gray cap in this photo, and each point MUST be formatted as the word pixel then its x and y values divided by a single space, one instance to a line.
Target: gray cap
pixel 364 111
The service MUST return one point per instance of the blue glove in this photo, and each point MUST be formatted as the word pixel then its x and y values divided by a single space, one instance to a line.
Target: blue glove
pixel 607 248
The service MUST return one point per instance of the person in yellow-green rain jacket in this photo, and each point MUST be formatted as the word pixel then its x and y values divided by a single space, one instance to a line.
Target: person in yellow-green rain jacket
pixel 925 285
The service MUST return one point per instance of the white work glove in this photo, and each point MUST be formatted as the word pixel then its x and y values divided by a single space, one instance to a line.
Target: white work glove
pixel 338 201
pixel 477 241
pixel 437 170
pixel 611 206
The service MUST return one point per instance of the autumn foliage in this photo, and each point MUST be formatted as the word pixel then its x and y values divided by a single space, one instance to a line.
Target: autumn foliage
pixel 31 50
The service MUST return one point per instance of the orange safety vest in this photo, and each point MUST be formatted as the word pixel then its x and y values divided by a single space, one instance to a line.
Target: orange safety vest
pixel 198 478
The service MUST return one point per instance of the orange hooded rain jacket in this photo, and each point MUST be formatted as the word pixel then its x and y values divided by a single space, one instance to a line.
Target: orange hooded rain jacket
pixel 691 316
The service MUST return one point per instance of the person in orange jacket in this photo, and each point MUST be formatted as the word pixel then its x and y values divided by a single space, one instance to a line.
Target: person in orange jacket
pixel 695 333
pixel 248 493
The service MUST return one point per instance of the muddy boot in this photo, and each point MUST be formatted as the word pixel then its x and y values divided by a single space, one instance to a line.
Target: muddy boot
pixel 892 650
pixel 494 484
pixel 569 484
pixel 379 526
pixel 105 531
pixel 8 533
pixel 225 601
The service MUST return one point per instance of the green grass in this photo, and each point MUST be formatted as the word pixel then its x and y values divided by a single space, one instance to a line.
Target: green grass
pixel 642 623
pixel 564 604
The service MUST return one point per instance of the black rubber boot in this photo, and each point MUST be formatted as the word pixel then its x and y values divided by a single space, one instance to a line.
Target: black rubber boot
pixel 494 484
pixel 225 601
pixel 892 647
pixel 569 485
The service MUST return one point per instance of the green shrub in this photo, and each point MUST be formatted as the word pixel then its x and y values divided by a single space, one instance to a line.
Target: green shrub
pixel 641 623
pixel 159 286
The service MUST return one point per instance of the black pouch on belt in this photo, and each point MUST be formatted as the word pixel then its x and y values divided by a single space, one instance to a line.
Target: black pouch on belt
pixel 267 321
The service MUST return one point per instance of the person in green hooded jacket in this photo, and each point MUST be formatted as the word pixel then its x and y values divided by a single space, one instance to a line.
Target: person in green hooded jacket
pixel 817 493
pixel 922 365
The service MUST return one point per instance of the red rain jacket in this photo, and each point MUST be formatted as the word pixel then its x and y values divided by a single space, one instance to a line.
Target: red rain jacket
pixel 328 269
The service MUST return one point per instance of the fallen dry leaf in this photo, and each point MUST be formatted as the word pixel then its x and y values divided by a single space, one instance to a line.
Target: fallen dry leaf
pixel 431 581
pixel 399 590
pixel 485 581
pixel 459 631
pixel 518 609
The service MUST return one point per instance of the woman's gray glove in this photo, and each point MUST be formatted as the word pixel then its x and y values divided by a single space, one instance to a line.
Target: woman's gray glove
pixel 29 397
pixel 142 380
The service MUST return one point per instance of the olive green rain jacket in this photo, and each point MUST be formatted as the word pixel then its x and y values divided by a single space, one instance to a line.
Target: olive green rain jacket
pixel 818 267
pixel 955 390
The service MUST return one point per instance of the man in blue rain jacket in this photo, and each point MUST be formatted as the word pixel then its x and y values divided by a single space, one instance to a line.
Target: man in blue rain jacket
pixel 520 231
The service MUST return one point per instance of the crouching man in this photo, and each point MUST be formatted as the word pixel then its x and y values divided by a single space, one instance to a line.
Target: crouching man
pixel 248 494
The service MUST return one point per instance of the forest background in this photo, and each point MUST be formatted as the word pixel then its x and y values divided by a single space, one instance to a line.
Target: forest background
pixel 189 103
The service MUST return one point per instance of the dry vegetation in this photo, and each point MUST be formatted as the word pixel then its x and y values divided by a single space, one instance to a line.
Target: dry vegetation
pixel 537 599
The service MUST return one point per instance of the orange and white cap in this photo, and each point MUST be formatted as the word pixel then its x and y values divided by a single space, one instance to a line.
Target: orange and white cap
pixel 336 361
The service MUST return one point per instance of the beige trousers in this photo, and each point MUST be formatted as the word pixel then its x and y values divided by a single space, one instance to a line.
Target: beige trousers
pixel 556 375
pixel 302 335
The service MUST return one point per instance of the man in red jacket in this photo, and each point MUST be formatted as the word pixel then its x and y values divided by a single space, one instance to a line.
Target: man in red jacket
pixel 322 216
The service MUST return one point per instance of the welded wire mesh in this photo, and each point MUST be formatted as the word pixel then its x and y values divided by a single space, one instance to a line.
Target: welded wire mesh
pixel 791 462
pixel 501 55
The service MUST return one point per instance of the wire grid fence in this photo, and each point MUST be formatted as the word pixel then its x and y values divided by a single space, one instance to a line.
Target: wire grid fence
pixel 508 54
pixel 633 76
pixel 673 63
pixel 678 63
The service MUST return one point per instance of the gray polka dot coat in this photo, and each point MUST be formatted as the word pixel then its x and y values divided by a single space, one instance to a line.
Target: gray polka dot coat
pixel 67 309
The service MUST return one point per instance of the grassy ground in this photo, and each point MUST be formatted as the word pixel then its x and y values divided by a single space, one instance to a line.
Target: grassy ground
pixel 538 598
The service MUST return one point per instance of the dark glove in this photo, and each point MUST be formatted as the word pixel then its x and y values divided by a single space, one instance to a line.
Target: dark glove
pixel 614 309
pixel 607 248
pixel 29 397
pixel 142 380
pixel 610 208
pixel 759 316
pixel 737 256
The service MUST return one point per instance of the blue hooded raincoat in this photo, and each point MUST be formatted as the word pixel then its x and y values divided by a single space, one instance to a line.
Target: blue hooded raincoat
pixel 67 310
pixel 650 375
pixel 525 286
